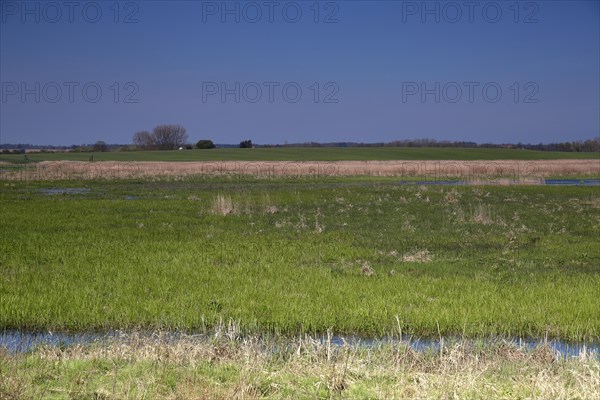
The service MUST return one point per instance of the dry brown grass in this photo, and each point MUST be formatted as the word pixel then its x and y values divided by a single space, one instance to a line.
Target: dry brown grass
pixel 482 215
pixel 366 269
pixel 503 171
pixel 223 205
pixel 240 205
pixel 422 256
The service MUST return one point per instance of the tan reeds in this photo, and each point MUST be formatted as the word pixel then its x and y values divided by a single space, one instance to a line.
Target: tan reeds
pixel 501 171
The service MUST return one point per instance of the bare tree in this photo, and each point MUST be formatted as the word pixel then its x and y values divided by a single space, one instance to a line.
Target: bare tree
pixel 169 137
pixel 143 140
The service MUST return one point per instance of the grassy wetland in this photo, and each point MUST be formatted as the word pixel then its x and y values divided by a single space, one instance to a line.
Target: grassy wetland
pixel 296 258
pixel 301 257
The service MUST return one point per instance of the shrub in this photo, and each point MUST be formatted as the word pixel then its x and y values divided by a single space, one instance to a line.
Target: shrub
pixel 205 144
pixel 246 144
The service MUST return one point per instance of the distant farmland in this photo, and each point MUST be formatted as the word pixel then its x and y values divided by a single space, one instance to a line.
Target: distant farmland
pixel 309 154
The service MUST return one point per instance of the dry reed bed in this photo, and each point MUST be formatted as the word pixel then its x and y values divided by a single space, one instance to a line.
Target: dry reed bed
pixel 524 171
pixel 226 366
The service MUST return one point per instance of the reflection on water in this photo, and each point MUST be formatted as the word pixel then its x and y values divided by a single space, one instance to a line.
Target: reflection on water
pixel 52 191
pixel 551 182
pixel 562 348
pixel 18 341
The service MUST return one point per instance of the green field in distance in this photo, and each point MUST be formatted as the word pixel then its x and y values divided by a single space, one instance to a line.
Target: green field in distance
pixel 309 154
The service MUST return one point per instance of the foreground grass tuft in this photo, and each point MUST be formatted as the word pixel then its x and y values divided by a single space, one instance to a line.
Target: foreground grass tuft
pixel 226 367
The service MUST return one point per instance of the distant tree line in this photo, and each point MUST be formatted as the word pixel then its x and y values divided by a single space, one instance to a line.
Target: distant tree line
pixel 13 151
pixel 577 146
pixel 97 147
pixel 591 145
pixel 169 137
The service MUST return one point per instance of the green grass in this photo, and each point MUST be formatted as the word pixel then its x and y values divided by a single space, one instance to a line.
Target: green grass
pixel 301 256
pixel 310 154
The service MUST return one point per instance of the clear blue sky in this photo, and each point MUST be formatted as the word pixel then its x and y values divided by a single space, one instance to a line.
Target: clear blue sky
pixel 172 59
